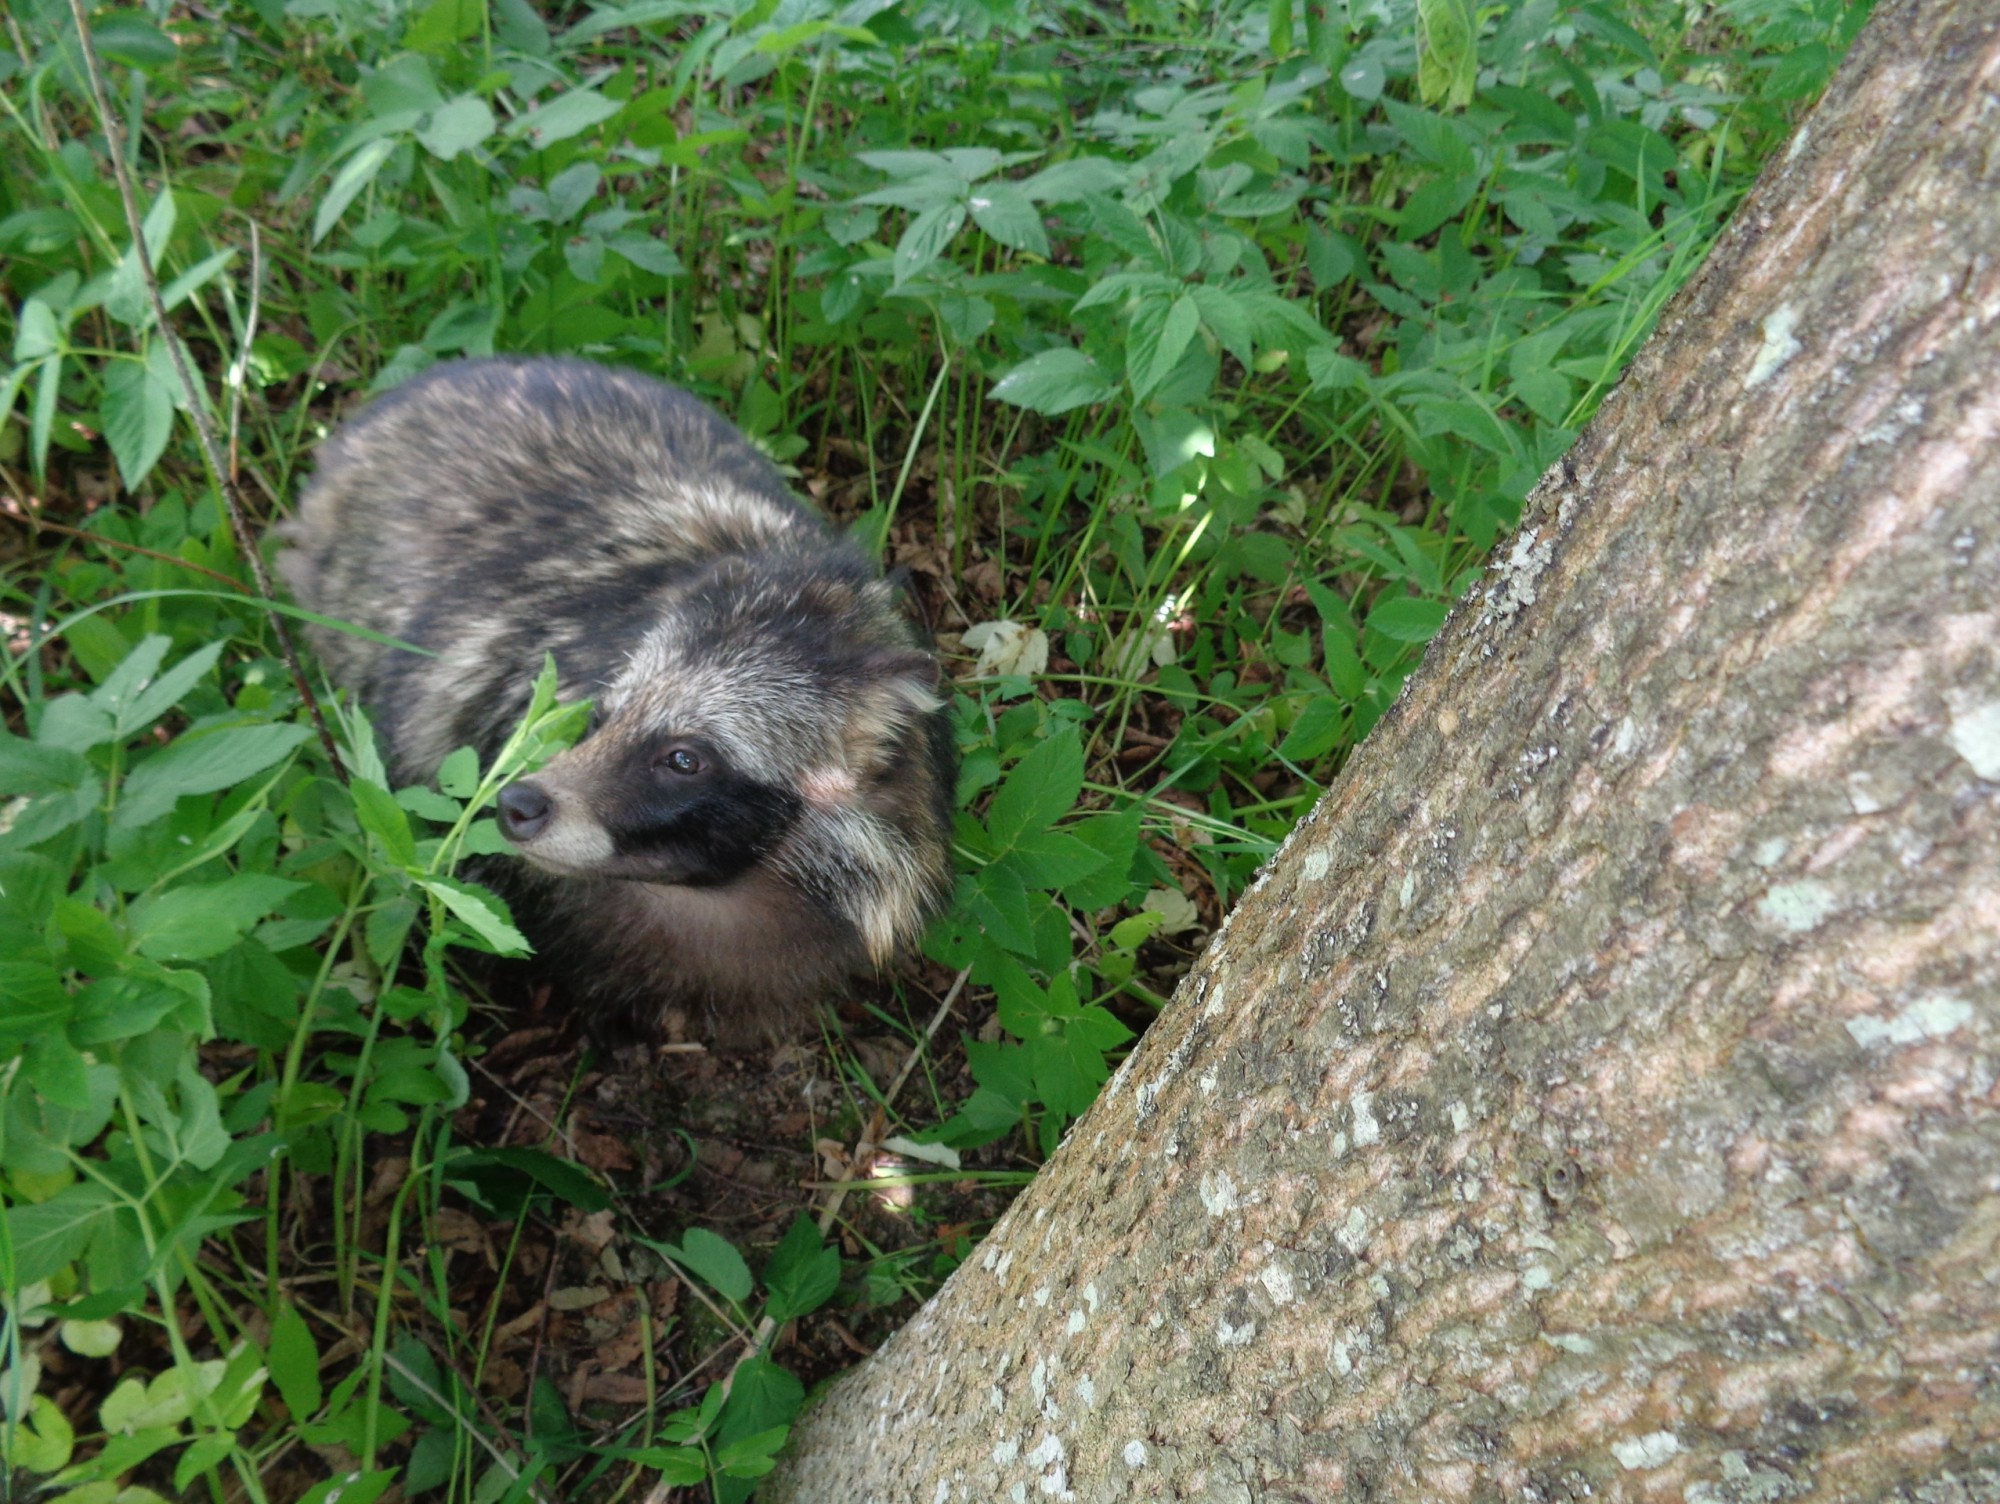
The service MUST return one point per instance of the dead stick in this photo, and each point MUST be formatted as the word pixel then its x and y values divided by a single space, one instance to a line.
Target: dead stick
pixel 232 498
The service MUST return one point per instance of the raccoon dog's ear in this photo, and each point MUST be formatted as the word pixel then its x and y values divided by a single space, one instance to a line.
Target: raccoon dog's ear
pixel 897 687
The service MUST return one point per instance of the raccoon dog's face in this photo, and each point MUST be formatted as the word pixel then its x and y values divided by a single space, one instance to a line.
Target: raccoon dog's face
pixel 765 703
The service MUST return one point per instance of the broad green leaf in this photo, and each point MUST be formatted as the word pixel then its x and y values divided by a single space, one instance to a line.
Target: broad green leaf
pixel 383 818
pixel 200 763
pixel 1053 382
pixel 711 1258
pixel 136 1001
pixel 1042 787
pixel 350 1488
pixel 803 1272
pixel 1054 860
pixel 646 253
pixel 458 775
pixel 41 1442
pixel 1006 213
pixel 456 127
pixel 1407 618
pixel 1160 336
pixel 38 334
pixel 198 920
pixel 566 115
pixel 925 239
pixel 294 1362
pixel 52 1233
pixel 126 299
pixel 37 1001
pixel 34 768
pixel 481 912
pixel 569 1182
pixel 145 702
pixel 127 37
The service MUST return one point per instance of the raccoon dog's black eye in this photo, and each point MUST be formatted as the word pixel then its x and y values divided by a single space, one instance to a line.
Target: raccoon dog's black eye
pixel 680 760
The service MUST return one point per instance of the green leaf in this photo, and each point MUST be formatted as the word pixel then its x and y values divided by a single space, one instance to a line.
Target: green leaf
pixel 1447 55
pixel 383 818
pixel 458 775
pixel 1407 618
pixel 200 763
pixel 803 1272
pixel 32 768
pixel 1007 214
pixel 752 1456
pixel 1054 382
pixel 1316 730
pixel 1054 860
pixel 481 912
pixel 138 419
pixel 456 127
pixel 1160 336
pixel 125 298
pixel 925 239
pixel 127 37
pixel 355 174
pixel 560 118
pixel 198 920
pixel 136 707
pixel 53 1233
pixel 569 1182
pixel 1041 789
pixel 712 1259
pixel 294 1362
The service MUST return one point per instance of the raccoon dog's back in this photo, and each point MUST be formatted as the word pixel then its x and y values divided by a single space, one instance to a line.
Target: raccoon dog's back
pixel 763 806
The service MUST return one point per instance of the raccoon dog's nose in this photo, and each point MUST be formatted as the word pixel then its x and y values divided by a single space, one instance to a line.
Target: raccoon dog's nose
pixel 524 810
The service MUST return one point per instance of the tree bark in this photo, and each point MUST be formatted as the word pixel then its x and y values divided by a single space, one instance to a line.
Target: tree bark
pixel 1596 1097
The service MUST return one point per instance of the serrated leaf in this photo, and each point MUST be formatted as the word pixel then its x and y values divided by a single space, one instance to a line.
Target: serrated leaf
pixel 35 768
pixel 1054 860
pixel 481 912
pixel 52 1233
pixel 1407 618
pixel 1053 382
pixel 803 1272
pixel 198 920
pixel 1042 788
pixel 1006 213
pixel 383 818
pixel 138 419
pixel 1160 336
pixel 201 763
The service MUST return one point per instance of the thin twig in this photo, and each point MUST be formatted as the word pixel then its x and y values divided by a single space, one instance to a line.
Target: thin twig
pixel 36 524
pixel 232 499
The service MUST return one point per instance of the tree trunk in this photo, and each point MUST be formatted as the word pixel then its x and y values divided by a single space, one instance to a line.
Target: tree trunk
pixel 1596 1097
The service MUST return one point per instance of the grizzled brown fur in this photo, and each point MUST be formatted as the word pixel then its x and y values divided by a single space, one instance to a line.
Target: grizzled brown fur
pixel 763 806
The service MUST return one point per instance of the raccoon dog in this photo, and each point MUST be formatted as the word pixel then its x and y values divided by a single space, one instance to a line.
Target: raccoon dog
pixel 763 805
